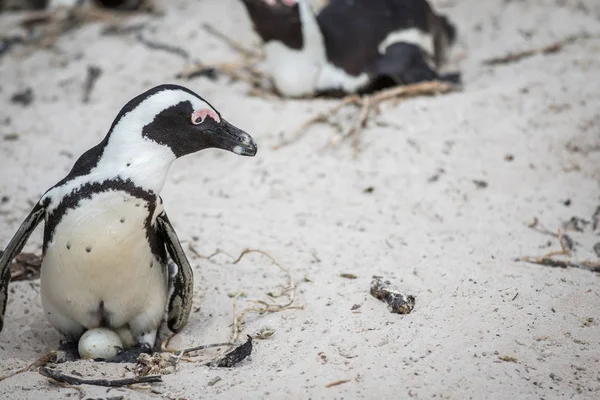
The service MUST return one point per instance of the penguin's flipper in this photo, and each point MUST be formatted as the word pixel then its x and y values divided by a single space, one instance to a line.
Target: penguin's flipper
pixel 405 63
pixel 11 251
pixel 180 301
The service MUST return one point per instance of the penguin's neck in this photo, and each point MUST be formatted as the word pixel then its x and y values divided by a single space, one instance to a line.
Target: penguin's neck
pixel 140 160
pixel 296 72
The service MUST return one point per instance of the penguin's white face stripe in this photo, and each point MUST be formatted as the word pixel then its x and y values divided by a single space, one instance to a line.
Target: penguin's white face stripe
pixel 129 155
pixel 289 3
pixel 414 36
pixel 132 123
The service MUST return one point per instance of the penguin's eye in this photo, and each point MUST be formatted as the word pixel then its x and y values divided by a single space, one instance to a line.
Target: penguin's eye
pixel 199 116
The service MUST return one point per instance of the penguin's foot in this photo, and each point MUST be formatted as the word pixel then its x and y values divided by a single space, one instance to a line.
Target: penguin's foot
pixel 69 351
pixel 131 355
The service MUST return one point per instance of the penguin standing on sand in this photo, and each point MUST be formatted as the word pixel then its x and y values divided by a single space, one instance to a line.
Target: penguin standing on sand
pixel 107 238
pixel 351 46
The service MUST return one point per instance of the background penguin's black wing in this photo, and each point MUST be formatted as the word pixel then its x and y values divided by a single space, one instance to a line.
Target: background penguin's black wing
pixel 404 63
pixel 11 251
pixel 180 301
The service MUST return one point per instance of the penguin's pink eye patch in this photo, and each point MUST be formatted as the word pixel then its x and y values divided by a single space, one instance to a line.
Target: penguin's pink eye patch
pixel 199 116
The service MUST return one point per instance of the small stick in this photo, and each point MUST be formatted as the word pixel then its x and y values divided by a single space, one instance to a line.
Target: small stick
pixel 154 45
pixel 196 348
pixel 537 226
pixel 93 73
pixel 284 269
pixel 550 262
pixel 337 383
pixel 67 386
pixel 73 380
pixel 232 43
pixel 40 362
pixel 548 49
pixel 234 70
pixel 411 90
pixel 362 121
pixel 235 330
pixel 414 89
pixel 237 320
pixel 61 20
pixel 321 117
pixel 197 253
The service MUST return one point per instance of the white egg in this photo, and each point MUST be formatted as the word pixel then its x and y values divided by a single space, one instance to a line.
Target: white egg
pixel 99 343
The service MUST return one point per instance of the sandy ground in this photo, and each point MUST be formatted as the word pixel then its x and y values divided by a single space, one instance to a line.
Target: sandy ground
pixel 484 325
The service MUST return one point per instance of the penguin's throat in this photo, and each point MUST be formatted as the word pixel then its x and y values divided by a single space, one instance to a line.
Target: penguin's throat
pixel 145 170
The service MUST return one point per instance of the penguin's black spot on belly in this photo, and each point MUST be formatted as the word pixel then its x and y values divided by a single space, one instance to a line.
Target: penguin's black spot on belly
pixel 68 246
pixel 122 220
pixel 128 164
pixel 88 248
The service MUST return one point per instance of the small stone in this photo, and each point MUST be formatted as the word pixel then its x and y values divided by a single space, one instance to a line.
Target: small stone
pixel 23 98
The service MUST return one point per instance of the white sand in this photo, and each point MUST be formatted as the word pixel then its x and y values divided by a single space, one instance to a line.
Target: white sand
pixel 447 242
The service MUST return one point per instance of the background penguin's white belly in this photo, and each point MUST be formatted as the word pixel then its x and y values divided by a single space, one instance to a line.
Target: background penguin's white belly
pixel 99 253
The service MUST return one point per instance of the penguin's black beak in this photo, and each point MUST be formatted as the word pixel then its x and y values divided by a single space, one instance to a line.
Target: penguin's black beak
pixel 229 137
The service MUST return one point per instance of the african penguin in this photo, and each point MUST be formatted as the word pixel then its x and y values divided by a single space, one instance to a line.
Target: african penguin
pixel 351 46
pixel 14 5
pixel 107 238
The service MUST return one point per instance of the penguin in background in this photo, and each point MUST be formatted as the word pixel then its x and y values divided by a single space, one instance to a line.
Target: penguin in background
pixel 107 238
pixel 351 46
pixel 19 5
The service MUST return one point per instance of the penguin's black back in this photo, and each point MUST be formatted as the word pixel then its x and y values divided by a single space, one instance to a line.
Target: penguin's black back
pixel 353 29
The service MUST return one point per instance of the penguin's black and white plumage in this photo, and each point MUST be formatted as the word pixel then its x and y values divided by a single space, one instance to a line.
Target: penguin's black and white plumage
pixel 351 46
pixel 107 238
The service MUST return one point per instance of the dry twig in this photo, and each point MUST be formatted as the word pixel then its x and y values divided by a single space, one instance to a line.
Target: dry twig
pixel 216 252
pixel 67 386
pixel 238 320
pixel 232 43
pixel 367 103
pixel 93 73
pixel 244 70
pixel 40 362
pixel 73 380
pixel 58 21
pixel 153 44
pixel 551 262
pixel 336 383
pixel 566 244
pixel 289 290
pixel 195 348
pixel 548 49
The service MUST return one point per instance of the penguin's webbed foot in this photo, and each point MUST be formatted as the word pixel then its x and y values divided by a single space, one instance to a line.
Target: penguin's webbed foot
pixel 69 351
pixel 131 355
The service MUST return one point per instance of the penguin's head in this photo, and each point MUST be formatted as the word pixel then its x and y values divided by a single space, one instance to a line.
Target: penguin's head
pixel 177 118
pixel 277 20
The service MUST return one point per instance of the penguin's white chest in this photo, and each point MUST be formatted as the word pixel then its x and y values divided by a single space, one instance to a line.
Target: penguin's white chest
pixel 99 267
